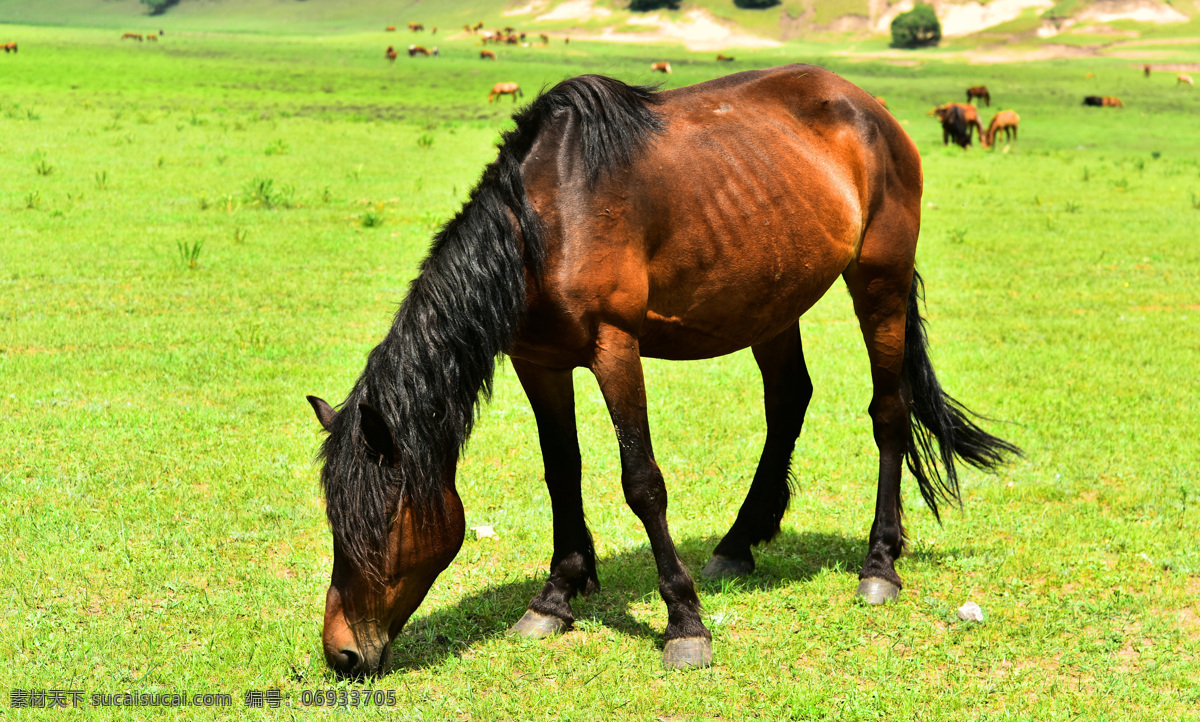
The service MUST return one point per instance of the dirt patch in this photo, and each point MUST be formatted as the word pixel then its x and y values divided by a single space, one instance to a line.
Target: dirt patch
pixel 533 6
pixel 1051 51
pixel 576 10
pixel 1146 11
pixel 699 30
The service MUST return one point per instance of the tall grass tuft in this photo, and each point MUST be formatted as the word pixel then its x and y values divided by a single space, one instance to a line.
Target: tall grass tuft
pixel 262 193
pixel 189 253
pixel 372 217
pixel 101 180
pixel 277 147
pixel 43 168
pixel 425 140
pixel 33 199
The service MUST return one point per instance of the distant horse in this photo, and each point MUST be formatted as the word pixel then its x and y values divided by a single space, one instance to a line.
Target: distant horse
pixel 619 223
pixel 953 118
pixel 1146 70
pixel 1184 78
pixel 566 40
pixel 415 50
pixel 390 29
pixel 1109 101
pixel 545 38
pixel 501 89
pixel 512 40
pixel 416 27
pixel 660 68
pixel 881 100
pixel 979 91
pixel 433 31
pixel 132 36
pixel 391 54
pixel 478 25
pixel 435 52
pixel 970 119
pixel 10 47
pixel 1005 120
pixel 724 58
pixel 487 54
pixel 152 38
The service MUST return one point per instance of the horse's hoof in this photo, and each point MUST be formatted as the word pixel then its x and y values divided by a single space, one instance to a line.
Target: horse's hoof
pixel 874 590
pixel 720 567
pixel 687 653
pixel 537 626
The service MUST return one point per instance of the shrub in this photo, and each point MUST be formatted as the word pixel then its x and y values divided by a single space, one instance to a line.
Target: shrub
pixel 644 5
pixel 916 28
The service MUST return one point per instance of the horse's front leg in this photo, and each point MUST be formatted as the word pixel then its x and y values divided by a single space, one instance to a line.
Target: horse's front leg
pixel 573 564
pixel 618 369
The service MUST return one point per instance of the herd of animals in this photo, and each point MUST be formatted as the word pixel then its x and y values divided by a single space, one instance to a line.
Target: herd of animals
pixel 959 121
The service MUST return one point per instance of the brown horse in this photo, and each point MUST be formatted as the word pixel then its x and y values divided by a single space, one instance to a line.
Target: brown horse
pixel 478 26
pixel 501 89
pixel 152 38
pixel 724 58
pixel 132 36
pixel 390 29
pixel 618 223
pixel 416 27
pixel 415 50
pixel 951 116
pixel 1005 120
pixel 391 54
pixel 979 91
pixel 1146 70
pixel 1110 101
pixel 487 54
pixel 881 100
pixel 660 68
pixel 10 47
pixel 1184 79
pixel 545 38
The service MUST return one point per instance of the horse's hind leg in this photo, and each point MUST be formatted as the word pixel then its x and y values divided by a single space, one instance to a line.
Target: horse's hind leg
pixel 879 283
pixel 787 389
pixel 573 564
pixel 618 369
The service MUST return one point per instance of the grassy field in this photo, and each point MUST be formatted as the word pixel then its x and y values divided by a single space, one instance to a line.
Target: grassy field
pixel 199 233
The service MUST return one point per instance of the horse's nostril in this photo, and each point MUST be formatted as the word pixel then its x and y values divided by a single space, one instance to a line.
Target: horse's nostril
pixel 352 659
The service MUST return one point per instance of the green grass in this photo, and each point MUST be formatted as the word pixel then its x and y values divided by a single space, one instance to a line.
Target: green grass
pixel 163 523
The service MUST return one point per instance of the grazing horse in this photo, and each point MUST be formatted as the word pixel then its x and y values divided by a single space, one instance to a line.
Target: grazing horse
pixel 1184 78
pixel 152 38
pixel 390 29
pixel 487 54
pixel 415 50
pixel 724 58
pixel 979 91
pixel 1005 120
pixel 881 100
pixel 391 54
pixel 619 223
pixel 970 121
pixel 416 27
pixel 660 68
pixel 132 36
pixel 545 38
pixel 500 89
pixel 1146 70
pixel 478 25
pixel 10 47
pixel 1110 101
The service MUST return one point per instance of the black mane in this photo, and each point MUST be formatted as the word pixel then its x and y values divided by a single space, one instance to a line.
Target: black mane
pixel 462 310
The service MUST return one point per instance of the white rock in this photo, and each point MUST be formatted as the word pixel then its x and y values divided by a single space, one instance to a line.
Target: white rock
pixel 484 532
pixel 970 612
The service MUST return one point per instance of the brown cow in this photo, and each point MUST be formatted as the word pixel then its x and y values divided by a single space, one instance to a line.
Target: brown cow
pixel 1005 120
pixel 500 89
pixel 391 54
pixel 487 54
pixel 415 50
pixel 132 36
pixel 979 91
pixel 660 68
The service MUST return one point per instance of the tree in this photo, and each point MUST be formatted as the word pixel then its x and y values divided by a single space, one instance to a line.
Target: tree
pixel 643 5
pixel 158 7
pixel 755 4
pixel 916 28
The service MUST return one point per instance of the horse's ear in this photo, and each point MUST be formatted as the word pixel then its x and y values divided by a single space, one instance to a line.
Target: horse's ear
pixel 325 412
pixel 376 433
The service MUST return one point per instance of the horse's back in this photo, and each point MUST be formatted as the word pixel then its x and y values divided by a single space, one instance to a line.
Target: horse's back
pixel 735 219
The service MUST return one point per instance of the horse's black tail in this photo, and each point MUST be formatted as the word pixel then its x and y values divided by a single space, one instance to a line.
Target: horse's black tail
pixel 935 415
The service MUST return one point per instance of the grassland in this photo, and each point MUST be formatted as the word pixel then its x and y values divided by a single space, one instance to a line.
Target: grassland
pixel 164 528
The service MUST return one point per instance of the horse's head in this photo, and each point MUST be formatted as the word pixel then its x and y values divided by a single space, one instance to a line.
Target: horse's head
pixel 387 547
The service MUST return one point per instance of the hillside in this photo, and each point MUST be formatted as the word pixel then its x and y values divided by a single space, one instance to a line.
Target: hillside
pixel 698 24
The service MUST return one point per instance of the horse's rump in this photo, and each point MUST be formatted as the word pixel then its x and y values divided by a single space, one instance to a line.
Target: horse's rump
pixel 731 222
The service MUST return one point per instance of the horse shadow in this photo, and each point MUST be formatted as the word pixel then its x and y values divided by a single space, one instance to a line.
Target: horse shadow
pixel 628 578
